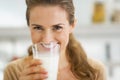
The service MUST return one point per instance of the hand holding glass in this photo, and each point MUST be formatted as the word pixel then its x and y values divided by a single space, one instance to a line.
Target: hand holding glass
pixel 49 55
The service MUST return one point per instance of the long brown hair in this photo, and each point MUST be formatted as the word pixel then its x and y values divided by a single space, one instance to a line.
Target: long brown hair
pixel 76 56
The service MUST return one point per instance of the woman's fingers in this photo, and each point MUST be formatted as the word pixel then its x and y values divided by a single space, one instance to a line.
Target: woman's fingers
pixel 34 69
pixel 34 77
pixel 29 66
pixel 33 62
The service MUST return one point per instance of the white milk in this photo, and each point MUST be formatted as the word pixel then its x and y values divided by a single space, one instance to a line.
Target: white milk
pixel 50 60
pixel 51 66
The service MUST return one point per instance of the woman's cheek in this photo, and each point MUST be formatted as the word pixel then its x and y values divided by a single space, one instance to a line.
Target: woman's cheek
pixel 63 39
pixel 35 37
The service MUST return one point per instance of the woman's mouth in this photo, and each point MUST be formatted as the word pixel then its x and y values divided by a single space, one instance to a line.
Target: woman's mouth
pixel 49 45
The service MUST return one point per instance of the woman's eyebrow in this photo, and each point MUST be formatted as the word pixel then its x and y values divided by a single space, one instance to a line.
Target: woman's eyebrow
pixel 37 25
pixel 58 24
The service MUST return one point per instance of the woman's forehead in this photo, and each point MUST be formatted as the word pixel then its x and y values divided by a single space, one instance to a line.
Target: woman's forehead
pixel 48 15
pixel 50 10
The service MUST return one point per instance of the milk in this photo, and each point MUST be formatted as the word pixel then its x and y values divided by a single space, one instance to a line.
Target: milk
pixel 49 60
pixel 51 66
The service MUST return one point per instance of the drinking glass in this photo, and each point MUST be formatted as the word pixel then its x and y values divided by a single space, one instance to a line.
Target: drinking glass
pixel 49 55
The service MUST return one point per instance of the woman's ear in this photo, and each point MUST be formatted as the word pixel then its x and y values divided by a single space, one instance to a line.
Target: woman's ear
pixel 72 26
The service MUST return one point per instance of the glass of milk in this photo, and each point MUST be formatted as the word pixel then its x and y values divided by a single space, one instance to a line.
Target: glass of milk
pixel 49 55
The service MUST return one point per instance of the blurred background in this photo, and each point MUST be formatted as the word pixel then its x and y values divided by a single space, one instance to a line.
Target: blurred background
pixel 97 29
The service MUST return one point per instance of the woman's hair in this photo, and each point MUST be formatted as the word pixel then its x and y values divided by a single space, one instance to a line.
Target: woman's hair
pixel 76 56
pixel 65 4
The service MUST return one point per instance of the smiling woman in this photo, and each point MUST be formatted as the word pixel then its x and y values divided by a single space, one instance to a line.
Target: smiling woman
pixel 54 21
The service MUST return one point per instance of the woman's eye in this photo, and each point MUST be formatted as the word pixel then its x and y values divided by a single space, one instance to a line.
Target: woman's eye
pixel 57 28
pixel 37 28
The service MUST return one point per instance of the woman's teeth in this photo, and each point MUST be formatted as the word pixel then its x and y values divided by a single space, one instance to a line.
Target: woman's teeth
pixel 50 45
pixel 47 45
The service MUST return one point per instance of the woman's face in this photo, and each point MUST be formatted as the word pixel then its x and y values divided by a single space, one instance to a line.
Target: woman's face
pixel 50 24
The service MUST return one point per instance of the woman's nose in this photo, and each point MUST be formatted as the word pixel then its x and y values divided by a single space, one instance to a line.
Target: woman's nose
pixel 47 37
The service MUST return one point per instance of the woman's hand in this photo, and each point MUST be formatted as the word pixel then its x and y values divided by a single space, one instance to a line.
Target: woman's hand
pixel 33 71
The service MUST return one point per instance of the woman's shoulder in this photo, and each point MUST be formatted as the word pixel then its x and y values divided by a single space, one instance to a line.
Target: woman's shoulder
pixel 13 68
pixel 99 66
pixel 18 63
pixel 96 63
pixel 14 65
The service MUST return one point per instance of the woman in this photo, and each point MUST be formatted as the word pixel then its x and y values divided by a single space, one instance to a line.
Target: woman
pixel 53 20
